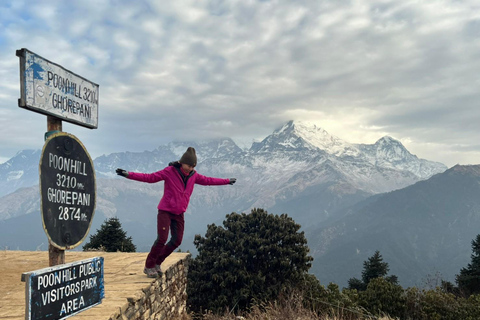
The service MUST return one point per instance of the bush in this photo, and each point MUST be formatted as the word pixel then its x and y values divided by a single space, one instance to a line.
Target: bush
pixel 383 297
pixel 313 293
pixel 253 257
pixel 438 304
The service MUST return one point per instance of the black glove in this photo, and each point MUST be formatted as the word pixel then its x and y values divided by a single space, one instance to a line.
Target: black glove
pixel 233 180
pixel 122 172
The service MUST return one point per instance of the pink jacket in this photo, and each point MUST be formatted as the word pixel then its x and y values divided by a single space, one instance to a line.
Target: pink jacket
pixel 176 193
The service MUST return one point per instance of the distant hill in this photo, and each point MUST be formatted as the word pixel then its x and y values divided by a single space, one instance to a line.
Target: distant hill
pixel 423 229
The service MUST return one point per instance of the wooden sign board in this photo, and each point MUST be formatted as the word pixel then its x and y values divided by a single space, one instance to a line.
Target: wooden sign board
pixel 64 290
pixel 67 189
pixel 50 89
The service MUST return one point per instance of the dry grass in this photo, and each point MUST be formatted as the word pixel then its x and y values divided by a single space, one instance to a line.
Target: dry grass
pixel 290 309
pixel 282 314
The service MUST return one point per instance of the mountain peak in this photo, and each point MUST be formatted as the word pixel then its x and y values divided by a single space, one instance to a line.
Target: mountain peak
pixel 300 127
pixel 213 148
pixel 297 135
pixel 386 139
pixel 388 148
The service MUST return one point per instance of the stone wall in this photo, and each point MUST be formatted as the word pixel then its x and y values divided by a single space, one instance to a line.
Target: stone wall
pixel 164 299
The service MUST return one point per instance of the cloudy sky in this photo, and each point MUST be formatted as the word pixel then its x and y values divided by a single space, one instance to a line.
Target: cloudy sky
pixel 188 70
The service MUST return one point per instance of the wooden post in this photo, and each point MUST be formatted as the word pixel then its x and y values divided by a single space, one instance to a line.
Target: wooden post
pixel 54 124
pixel 55 256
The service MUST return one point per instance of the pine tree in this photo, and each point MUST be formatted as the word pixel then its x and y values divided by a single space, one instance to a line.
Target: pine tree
pixel 252 257
pixel 469 278
pixel 111 238
pixel 373 268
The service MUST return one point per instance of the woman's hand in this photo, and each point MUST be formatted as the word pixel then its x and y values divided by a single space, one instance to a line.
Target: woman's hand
pixel 122 172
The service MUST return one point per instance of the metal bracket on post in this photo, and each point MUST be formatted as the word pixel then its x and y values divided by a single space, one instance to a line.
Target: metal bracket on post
pixel 49 133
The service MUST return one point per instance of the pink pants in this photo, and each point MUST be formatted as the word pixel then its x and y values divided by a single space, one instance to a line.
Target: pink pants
pixel 166 222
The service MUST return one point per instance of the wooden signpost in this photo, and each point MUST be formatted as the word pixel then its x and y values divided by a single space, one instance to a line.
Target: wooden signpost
pixel 67 188
pixel 50 89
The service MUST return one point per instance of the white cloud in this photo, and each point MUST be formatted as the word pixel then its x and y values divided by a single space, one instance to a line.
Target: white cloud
pixel 186 69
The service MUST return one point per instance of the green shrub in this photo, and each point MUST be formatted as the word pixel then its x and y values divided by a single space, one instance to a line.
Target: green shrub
pixel 383 297
pixel 253 257
pixel 438 304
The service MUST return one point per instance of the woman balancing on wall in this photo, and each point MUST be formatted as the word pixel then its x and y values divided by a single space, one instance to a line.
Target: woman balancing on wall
pixel 180 178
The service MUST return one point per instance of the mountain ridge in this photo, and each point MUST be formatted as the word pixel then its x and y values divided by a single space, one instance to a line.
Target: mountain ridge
pixel 420 229
pixel 290 144
pixel 19 171
pixel 275 172
pixel 299 169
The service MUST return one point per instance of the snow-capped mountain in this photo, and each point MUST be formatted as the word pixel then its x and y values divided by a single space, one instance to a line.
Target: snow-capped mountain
pixel 20 171
pixel 384 166
pixel 298 166
pixel 298 157
pixel 386 153
pixel 151 161
pixel 390 153
pixel 300 135
pixel 300 169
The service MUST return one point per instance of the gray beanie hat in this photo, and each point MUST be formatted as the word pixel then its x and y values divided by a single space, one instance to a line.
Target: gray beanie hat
pixel 189 157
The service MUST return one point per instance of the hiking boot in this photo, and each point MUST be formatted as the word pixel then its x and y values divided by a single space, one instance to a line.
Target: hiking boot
pixel 150 272
pixel 158 270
